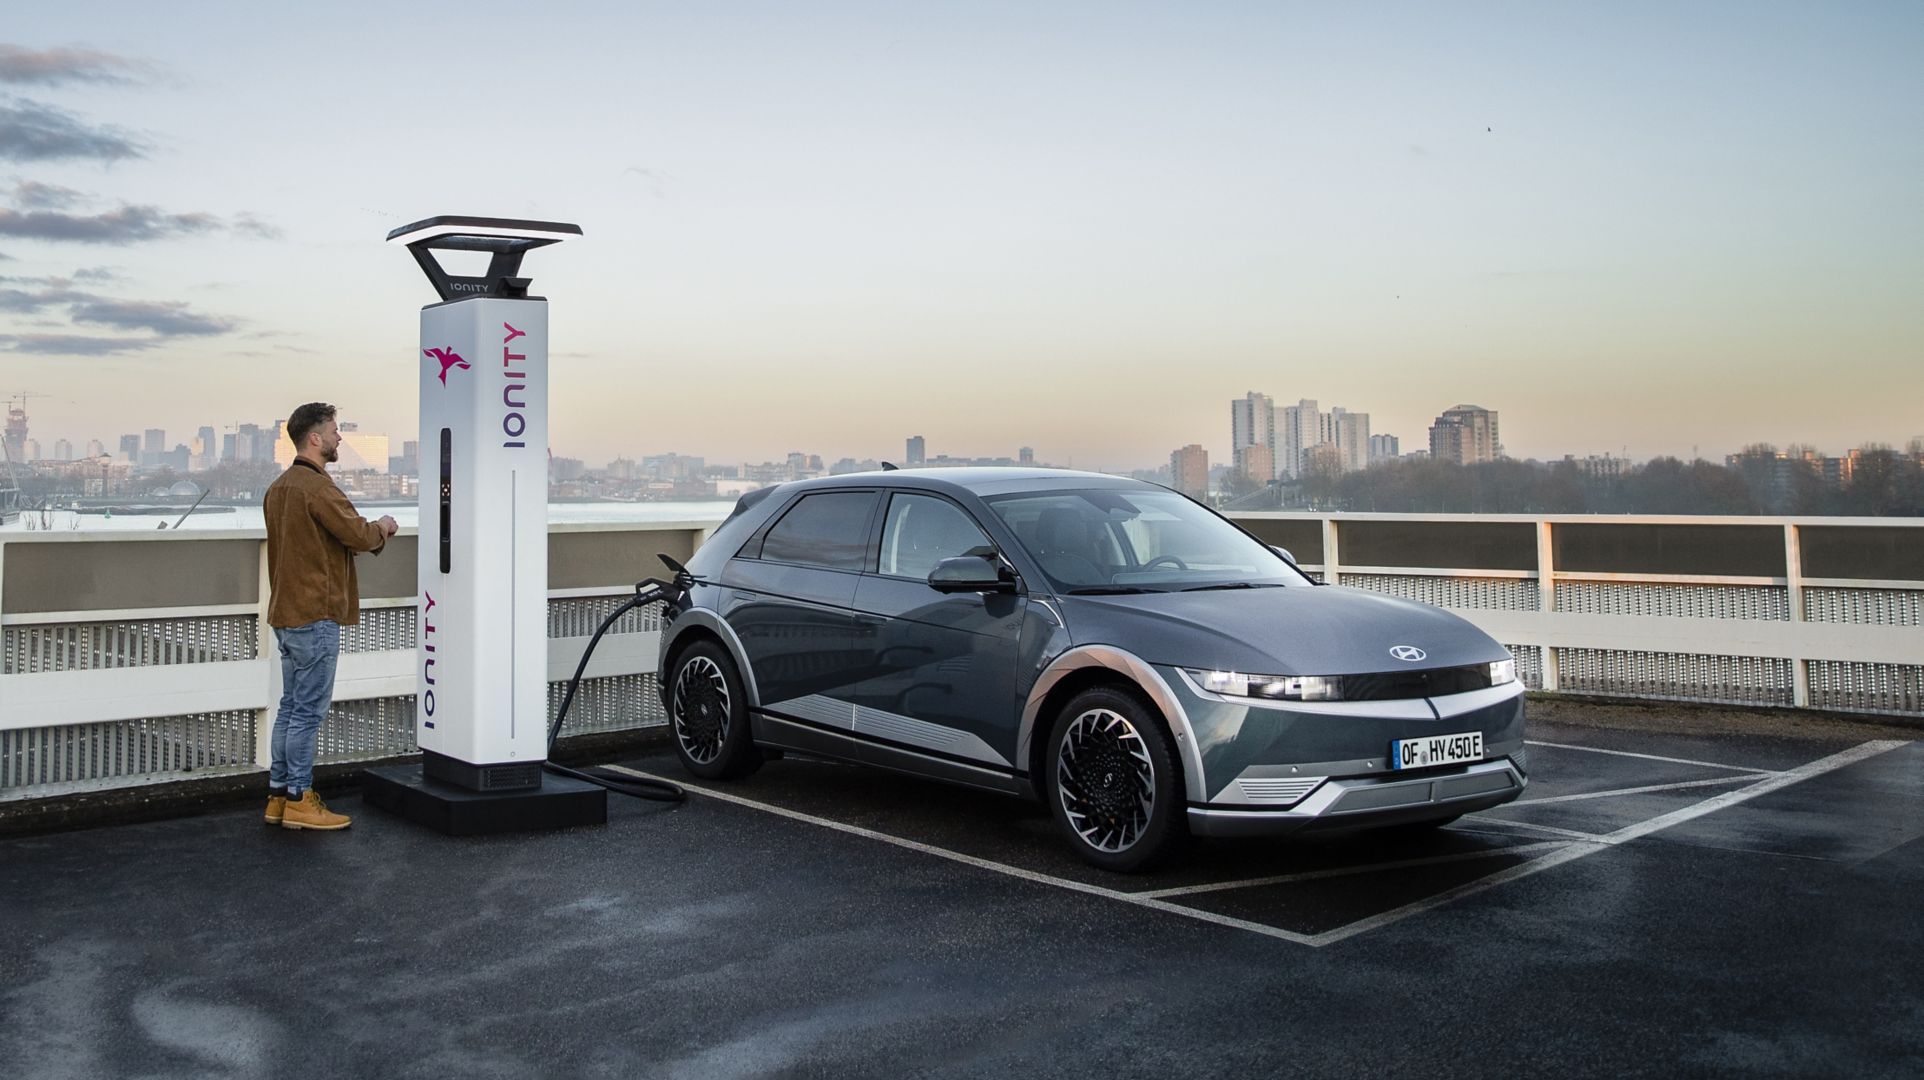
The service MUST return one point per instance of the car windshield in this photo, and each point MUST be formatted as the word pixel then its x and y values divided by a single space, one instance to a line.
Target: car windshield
pixel 1101 541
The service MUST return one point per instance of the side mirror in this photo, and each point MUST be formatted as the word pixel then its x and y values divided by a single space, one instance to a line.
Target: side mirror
pixel 971 573
pixel 1284 552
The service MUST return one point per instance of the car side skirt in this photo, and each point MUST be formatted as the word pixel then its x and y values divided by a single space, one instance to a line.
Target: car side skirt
pixel 784 733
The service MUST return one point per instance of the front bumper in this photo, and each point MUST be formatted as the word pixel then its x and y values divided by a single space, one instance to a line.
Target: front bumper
pixel 1362 802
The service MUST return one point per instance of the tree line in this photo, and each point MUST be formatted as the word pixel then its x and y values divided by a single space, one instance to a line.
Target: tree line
pixel 1883 483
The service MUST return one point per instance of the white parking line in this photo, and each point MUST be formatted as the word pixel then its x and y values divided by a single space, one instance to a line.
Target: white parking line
pixel 1346 871
pixel 1712 782
pixel 1651 757
pixel 1624 835
pixel 1528 826
pixel 1581 845
pixel 983 864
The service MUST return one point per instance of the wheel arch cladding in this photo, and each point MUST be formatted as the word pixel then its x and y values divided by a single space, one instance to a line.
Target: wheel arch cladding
pixel 1050 716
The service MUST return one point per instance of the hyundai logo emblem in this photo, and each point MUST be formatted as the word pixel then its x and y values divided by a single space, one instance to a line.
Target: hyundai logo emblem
pixel 1408 652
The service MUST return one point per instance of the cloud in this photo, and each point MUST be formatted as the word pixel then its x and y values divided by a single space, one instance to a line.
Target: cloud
pixel 30 131
pixel 127 225
pixel 74 344
pixel 51 67
pixel 162 320
pixel 168 318
pixel 258 228
pixel 96 273
pixel 34 195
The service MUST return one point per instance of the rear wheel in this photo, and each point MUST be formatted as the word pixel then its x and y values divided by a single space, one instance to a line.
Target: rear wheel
pixel 708 713
pixel 1114 786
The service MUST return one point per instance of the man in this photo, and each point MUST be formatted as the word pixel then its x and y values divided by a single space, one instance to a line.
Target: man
pixel 312 535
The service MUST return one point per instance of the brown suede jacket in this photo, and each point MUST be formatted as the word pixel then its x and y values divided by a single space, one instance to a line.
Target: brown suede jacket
pixel 312 535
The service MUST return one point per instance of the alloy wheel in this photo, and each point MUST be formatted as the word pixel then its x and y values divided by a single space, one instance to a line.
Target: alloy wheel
pixel 701 709
pixel 1106 780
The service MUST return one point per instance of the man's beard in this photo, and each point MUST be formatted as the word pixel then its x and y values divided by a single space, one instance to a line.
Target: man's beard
pixel 331 454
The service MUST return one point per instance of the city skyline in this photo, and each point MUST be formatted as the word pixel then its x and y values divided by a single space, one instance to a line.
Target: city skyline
pixel 1049 214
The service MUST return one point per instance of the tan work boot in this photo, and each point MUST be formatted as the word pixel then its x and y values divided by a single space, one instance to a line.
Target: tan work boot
pixel 309 812
pixel 276 806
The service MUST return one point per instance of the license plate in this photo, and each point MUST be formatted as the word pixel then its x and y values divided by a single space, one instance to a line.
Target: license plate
pixel 1436 750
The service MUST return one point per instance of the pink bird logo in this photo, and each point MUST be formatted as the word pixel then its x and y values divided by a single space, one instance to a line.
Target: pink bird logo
pixel 449 360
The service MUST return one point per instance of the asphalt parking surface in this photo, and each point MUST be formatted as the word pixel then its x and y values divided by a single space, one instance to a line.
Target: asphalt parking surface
pixel 1657 904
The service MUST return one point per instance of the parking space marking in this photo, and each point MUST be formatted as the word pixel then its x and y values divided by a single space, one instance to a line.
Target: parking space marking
pixel 1346 871
pixel 1651 757
pixel 985 864
pixel 1527 826
pixel 1712 782
pixel 1609 840
pixel 1583 844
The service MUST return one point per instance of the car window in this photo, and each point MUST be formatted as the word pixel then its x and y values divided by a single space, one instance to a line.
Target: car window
pixel 921 531
pixel 830 529
pixel 1137 539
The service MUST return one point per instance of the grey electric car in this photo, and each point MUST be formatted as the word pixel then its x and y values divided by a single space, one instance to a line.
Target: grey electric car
pixel 1139 663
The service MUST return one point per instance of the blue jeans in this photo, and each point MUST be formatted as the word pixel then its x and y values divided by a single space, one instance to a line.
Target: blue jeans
pixel 308 658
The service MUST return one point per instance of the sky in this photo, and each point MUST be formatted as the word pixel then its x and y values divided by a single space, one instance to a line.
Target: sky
pixel 1643 228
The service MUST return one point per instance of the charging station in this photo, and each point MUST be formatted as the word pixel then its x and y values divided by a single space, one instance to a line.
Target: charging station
pixel 481 653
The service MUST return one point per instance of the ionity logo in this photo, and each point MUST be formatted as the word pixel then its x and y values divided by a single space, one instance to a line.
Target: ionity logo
pixel 449 360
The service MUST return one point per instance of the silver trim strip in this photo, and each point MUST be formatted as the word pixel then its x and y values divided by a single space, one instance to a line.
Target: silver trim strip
pixel 1138 671
pixel 881 724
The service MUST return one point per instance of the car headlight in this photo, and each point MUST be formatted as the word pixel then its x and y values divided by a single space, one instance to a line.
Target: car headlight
pixel 1503 671
pixel 1269 687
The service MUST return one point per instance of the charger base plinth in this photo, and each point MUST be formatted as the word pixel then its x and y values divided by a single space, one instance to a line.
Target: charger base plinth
pixel 558 802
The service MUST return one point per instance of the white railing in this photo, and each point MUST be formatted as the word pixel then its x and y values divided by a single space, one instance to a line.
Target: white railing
pixel 130 658
pixel 1713 609
pixel 100 693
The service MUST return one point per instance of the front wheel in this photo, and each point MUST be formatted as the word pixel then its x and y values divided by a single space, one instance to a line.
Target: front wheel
pixel 708 713
pixel 1114 785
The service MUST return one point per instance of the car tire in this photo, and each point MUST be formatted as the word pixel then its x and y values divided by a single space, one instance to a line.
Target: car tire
pixel 1114 782
pixel 708 715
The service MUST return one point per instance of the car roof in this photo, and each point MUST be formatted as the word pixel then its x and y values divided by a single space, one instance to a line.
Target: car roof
pixel 977 481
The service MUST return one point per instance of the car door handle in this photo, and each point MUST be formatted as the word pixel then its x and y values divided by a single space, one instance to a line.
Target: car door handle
pixel 740 595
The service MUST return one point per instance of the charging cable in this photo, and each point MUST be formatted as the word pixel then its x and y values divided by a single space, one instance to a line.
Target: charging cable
pixel 646 592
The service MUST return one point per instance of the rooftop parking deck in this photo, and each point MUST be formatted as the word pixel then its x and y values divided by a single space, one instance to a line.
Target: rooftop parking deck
pixel 1680 892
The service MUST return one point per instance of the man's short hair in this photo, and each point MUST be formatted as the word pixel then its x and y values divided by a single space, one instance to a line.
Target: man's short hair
pixel 306 418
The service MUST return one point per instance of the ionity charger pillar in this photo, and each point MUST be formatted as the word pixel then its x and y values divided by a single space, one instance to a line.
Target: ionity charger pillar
pixel 481 652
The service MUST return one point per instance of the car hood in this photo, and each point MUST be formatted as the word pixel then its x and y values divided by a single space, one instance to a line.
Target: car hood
pixel 1298 630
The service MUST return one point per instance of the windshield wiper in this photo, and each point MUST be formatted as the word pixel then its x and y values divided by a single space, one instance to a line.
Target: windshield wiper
pixel 1234 585
pixel 1108 590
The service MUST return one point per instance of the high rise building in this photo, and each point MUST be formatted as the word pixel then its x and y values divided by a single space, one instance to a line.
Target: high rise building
pixel 206 449
pixel 1384 448
pixel 130 448
pixel 1350 432
pixel 154 442
pixel 96 448
pixel 1297 428
pixel 1026 455
pixel 1252 422
pixel 918 450
pixel 63 449
pixel 1465 434
pixel 1189 471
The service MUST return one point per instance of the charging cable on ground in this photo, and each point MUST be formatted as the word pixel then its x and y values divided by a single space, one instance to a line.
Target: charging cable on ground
pixel 646 592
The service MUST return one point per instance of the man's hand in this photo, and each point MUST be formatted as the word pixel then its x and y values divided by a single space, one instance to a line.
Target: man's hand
pixel 389 524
